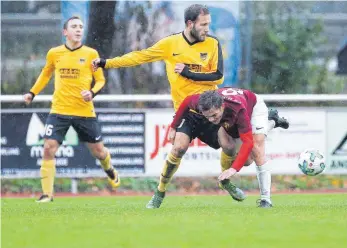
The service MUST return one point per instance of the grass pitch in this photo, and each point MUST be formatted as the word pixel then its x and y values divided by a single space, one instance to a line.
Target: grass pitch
pixel 182 221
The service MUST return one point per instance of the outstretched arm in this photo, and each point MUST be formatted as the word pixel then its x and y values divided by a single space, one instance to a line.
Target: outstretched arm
pixel 155 53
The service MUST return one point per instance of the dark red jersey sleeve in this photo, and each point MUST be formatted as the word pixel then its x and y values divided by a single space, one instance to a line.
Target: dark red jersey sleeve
pixel 190 102
pixel 246 136
pixel 245 150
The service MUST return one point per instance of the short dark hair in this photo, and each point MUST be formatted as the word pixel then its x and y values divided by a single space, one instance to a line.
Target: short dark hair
pixel 193 11
pixel 210 99
pixel 71 18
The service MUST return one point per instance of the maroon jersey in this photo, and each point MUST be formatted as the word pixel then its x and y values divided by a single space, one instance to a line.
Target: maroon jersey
pixel 238 109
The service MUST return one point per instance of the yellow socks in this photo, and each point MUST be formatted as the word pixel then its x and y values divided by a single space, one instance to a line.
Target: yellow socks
pixel 47 173
pixel 171 165
pixel 226 161
pixel 108 168
pixel 106 163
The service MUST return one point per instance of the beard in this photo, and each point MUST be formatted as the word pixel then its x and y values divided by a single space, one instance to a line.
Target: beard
pixel 195 34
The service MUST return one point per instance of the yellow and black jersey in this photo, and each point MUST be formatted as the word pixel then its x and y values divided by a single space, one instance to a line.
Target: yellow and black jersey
pixel 203 60
pixel 73 73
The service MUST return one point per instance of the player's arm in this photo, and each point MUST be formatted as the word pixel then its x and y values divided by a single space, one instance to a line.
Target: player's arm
pixel 98 78
pixel 215 77
pixel 154 53
pixel 43 79
pixel 246 136
pixel 190 102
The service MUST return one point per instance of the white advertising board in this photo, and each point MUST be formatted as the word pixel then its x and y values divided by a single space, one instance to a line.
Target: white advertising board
pixel 336 142
pixel 307 130
pixel 199 160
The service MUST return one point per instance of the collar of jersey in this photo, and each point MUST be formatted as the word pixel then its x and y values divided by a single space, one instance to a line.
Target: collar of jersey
pixel 190 43
pixel 71 50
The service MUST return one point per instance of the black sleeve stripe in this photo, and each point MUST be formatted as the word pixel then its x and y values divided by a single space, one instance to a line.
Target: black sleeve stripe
pixel 220 63
pixel 207 76
pixel 201 76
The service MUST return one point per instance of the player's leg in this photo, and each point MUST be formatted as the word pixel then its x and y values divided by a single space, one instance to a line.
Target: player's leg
pixel 170 167
pixel 229 149
pixel 276 121
pixel 173 159
pixel 238 144
pixel 88 131
pixel 184 135
pixel 100 152
pixel 228 155
pixel 259 123
pixel 263 170
pixel 56 128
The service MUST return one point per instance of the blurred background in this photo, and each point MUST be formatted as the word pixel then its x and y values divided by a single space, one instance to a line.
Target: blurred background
pixel 273 48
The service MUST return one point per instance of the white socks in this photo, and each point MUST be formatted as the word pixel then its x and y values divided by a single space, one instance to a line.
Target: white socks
pixel 271 125
pixel 264 180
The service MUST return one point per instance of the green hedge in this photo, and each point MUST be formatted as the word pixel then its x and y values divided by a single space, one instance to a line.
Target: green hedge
pixel 179 184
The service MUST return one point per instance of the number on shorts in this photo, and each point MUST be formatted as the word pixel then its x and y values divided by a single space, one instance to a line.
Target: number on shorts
pixel 183 120
pixel 232 92
pixel 48 130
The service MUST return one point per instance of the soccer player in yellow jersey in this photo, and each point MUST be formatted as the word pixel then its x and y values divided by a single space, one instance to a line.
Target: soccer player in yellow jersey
pixel 194 64
pixel 72 103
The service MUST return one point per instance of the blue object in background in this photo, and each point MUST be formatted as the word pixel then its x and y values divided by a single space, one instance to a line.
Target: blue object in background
pixel 75 8
pixel 227 29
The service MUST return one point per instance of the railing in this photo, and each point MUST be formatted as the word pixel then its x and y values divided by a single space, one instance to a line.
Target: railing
pixel 166 97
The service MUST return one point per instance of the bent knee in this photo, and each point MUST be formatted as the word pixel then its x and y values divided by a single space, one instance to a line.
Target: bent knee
pixel 228 147
pixel 230 151
pixel 179 151
pixel 248 162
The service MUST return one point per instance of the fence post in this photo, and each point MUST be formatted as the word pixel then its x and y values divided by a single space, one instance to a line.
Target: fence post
pixel 74 186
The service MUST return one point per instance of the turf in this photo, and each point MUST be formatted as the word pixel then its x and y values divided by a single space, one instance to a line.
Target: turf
pixel 195 221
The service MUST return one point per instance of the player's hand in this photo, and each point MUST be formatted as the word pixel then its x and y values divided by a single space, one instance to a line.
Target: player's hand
pixel 87 95
pixel 179 67
pixel 96 64
pixel 227 174
pixel 172 135
pixel 28 98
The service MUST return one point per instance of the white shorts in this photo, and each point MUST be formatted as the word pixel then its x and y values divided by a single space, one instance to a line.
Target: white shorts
pixel 259 120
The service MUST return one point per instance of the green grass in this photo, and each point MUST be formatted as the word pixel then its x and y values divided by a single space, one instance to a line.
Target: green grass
pixel 296 221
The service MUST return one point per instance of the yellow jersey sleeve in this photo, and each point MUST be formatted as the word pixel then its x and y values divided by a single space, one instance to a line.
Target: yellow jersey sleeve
pixel 154 53
pixel 45 74
pixel 98 77
pixel 215 77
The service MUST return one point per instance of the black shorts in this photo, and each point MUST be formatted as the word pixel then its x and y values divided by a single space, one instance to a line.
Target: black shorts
pixel 197 126
pixel 87 128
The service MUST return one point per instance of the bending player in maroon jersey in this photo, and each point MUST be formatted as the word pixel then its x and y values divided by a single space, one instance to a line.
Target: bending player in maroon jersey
pixel 244 110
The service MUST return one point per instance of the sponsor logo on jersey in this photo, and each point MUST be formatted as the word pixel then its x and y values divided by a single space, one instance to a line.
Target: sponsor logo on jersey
pixel 203 56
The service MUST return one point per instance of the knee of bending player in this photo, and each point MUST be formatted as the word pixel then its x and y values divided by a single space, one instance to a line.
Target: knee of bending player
pixel 229 149
pixel 179 151
pixel 249 161
pixel 228 146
